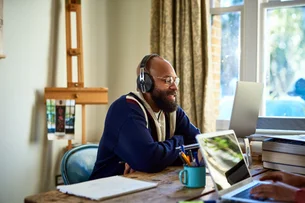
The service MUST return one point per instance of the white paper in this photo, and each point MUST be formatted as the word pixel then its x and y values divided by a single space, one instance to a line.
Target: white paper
pixel 104 188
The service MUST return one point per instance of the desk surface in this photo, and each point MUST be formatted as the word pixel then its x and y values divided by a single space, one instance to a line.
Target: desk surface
pixel 169 190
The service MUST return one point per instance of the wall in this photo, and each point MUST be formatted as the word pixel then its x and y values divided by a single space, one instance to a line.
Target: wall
pixel 128 40
pixel 115 37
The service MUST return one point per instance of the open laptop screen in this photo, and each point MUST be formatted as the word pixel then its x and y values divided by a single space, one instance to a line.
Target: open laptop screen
pixel 223 158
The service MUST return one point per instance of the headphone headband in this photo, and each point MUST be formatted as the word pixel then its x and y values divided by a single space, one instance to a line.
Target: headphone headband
pixel 146 59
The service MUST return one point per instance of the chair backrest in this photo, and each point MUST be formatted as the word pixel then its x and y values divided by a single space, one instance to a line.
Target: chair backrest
pixel 77 164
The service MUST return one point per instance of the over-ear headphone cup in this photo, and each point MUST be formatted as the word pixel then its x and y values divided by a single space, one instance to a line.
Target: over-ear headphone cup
pixel 148 83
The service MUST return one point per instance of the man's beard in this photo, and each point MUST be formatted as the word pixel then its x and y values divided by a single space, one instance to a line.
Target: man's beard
pixel 162 102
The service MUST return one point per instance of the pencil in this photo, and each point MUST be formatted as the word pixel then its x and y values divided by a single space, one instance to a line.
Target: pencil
pixel 185 158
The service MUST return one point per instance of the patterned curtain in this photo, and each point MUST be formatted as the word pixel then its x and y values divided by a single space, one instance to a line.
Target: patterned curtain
pixel 180 33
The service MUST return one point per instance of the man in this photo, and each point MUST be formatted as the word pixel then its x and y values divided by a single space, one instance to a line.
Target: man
pixel 142 129
pixel 287 187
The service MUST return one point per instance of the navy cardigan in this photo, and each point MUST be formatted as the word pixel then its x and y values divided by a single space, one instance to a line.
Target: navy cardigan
pixel 126 139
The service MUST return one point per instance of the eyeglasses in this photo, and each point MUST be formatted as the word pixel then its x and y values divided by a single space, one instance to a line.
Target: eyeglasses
pixel 170 80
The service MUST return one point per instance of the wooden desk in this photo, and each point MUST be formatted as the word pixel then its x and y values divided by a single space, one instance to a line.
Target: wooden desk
pixel 169 190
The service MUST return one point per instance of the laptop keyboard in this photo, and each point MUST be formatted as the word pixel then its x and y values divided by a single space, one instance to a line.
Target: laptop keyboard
pixel 246 193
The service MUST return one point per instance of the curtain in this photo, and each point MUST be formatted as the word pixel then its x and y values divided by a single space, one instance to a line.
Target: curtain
pixel 180 33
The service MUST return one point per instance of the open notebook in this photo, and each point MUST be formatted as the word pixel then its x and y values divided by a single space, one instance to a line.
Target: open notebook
pixel 105 188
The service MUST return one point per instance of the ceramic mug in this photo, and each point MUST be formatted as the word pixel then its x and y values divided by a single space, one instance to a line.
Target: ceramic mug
pixel 193 176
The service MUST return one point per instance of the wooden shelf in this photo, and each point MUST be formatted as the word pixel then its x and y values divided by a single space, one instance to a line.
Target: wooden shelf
pixel 2 56
pixel 81 95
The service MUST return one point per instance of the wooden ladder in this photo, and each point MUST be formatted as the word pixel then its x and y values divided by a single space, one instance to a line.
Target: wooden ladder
pixel 76 90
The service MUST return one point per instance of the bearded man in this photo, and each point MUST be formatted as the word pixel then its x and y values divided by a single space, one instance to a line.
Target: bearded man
pixel 143 129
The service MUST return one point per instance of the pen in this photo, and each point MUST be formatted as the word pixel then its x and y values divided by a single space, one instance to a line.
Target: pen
pixel 182 148
pixel 182 159
pixel 190 153
pixel 187 147
pixel 196 158
pixel 185 158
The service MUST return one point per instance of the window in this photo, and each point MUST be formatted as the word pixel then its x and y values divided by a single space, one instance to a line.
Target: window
pixel 284 60
pixel 226 46
pixel 226 3
pixel 263 41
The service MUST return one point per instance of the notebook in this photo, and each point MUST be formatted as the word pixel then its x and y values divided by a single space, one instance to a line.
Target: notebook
pixel 105 188
pixel 228 170
pixel 247 102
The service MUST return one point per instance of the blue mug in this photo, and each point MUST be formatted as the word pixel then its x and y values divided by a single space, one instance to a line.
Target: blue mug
pixel 193 176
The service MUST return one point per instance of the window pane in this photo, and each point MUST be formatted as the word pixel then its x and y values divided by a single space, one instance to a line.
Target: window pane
pixel 226 3
pixel 285 59
pixel 226 40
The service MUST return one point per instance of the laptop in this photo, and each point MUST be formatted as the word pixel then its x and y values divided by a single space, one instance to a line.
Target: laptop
pixel 227 167
pixel 246 106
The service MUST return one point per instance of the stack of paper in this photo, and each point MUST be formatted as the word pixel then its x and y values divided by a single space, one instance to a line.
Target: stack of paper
pixel 106 187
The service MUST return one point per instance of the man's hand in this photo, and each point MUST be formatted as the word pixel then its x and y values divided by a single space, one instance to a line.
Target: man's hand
pixel 128 169
pixel 277 191
pixel 288 178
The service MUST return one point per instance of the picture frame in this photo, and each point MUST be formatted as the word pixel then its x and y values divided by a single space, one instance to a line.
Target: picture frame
pixel 1 30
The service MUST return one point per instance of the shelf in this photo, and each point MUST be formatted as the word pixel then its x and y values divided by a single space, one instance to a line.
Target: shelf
pixel 81 95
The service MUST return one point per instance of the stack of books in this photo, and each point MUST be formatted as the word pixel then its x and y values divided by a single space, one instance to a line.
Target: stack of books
pixel 284 154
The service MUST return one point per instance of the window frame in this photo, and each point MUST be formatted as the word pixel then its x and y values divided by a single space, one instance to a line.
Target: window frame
pixel 252 63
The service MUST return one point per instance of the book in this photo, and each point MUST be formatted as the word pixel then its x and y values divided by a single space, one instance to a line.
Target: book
pixel 105 188
pixel 284 145
pixel 283 158
pixel 300 137
pixel 284 167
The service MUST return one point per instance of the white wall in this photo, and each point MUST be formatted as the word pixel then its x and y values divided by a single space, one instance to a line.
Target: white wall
pixel 128 27
pixel 115 37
